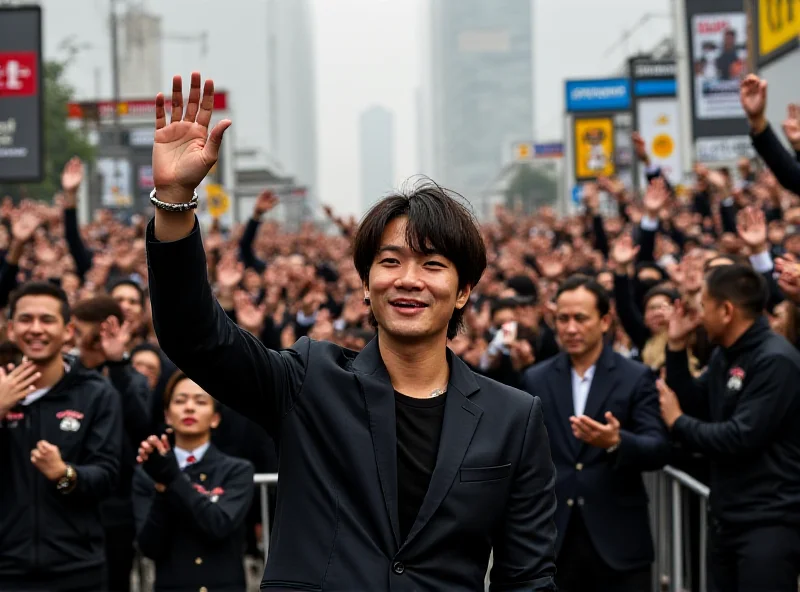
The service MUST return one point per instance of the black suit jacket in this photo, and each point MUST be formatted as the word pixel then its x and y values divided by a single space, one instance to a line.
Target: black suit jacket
pixel 606 488
pixel 195 530
pixel 332 415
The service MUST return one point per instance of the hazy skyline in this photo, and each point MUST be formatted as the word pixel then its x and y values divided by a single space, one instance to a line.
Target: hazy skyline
pixel 367 52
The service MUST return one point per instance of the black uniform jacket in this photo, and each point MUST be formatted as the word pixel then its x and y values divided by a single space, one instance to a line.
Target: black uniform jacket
pixel 743 414
pixel 194 531
pixel 44 532
pixel 332 414
pixel 606 488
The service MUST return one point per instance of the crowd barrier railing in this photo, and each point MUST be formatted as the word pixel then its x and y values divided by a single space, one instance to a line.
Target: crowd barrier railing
pixel 671 492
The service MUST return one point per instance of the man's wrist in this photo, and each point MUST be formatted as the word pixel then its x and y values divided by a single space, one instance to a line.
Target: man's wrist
pixel 676 345
pixel 758 123
pixel 174 195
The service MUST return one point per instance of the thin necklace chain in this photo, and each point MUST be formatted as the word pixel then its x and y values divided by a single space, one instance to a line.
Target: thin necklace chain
pixel 437 392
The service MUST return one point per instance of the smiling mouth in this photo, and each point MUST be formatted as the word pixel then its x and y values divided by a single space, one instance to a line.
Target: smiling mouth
pixel 408 304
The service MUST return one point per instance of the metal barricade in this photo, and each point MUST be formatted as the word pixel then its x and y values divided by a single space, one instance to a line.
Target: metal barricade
pixel 670 489
pixel 671 493
pixel 264 480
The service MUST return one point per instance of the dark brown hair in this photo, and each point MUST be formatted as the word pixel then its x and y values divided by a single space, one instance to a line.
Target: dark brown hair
pixel 438 222
pixel 169 390
pixel 97 309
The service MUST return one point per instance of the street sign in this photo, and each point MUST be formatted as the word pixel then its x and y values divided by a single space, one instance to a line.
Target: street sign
pixel 218 201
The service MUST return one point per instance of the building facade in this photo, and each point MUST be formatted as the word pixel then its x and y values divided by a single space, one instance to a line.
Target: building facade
pixel 376 154
pixel 480 88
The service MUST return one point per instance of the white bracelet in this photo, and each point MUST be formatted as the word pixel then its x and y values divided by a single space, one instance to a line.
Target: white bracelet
pixel 174 207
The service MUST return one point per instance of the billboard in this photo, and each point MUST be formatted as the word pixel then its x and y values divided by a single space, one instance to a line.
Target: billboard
pixel 778 28
pixel 115 181
pixel 659 126
pixel 21 95
pixel 594 147
pixel 718 47
pixel 598 95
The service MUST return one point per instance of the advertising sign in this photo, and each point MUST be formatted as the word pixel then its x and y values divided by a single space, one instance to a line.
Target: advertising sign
pixel 778 28
pixel 594 147
pixel 21 131
pixel 659 126
pixel 719 52
pixel 598 95
pixel 115 181
pixel 718 46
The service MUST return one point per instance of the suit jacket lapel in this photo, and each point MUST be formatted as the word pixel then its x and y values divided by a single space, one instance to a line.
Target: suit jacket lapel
pixel 379 397
pixel 560 383
pixel 604 382
pixel 461 418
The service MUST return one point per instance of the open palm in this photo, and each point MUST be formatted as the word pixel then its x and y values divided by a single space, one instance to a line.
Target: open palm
pixel 183 151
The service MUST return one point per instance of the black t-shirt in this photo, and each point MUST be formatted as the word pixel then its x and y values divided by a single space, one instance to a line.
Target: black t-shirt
pixel 419 426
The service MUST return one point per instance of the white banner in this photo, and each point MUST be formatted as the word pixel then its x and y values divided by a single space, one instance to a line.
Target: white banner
pixel 115 175
pixel 725 149
pixel 659 125
pixel 719 54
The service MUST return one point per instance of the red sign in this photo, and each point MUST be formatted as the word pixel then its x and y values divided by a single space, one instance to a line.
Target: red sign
pixel 131 108
pixel 18 76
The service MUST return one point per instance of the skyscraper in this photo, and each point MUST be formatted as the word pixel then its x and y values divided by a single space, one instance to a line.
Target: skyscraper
pixel 376 135
pixel 480 88
pixel 291 91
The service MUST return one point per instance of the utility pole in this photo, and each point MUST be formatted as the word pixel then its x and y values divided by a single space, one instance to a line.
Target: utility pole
pixel 115 70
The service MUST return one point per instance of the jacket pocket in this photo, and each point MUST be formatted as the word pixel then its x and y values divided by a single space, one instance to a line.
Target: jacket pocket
pixel 472 475
pixel 290 585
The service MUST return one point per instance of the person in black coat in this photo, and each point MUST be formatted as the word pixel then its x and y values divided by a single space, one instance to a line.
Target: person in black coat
pixel 190 499
pixel 743 414
pixel 602 416
pixel 399 467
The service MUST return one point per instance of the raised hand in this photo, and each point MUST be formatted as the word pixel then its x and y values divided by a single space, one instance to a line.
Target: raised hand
pixel 264 203
pixel 158 460
pixel 249 316
pixel 624 251
pixel 114 338
pixel 791 126
pixel 656 197
pixel 753 95
pixel 184 151
pixel 23 227
pixel 16 384
pixel 229 273
pixel 751 226
pixel 639 147
pixel 684 320
pixel 72 175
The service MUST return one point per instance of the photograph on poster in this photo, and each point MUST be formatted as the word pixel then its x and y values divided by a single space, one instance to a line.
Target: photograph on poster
pixel 719 51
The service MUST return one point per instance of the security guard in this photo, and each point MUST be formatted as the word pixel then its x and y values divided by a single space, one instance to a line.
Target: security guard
pixel 191 500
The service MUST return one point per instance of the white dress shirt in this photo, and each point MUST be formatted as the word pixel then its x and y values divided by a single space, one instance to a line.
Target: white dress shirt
pixel 182 455
pixel 580 390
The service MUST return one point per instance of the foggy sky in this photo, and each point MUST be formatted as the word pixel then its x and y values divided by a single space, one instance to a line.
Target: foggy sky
pixel 367 51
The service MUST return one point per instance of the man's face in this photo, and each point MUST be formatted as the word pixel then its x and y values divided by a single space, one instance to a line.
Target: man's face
pixel 130 301
pixel 578 322
pixel 38 328
pixel 87 338
pixel 191 410
pixel 413 295
pixel 148 364
pixel 606 279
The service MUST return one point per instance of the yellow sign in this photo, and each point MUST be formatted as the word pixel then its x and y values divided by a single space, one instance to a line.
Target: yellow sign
pixel 594 147
pixel 778 24
pixel 662 146
pixel 218 202
pixel 523 151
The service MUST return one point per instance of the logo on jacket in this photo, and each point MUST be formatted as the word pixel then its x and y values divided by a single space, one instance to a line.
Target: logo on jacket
pixel 735 379
pixel 213 495
pixel 13 418
pixel 70 420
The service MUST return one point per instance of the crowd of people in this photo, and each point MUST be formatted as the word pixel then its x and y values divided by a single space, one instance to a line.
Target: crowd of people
pixel 114 449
